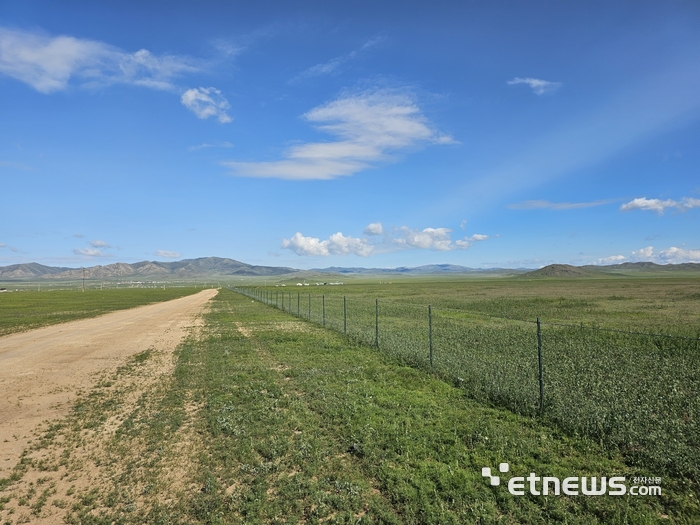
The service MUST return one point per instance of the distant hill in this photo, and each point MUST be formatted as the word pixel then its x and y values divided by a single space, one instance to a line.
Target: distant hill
pixel 647 267
pixel 560 270
pixel 567 270
pixel 186 268
pixel 208 267
pixel 28 271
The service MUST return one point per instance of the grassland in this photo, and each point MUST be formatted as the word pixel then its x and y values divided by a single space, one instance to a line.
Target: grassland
pixel 602 376
pixel 646 303
pixel 270 419
pixel 20 311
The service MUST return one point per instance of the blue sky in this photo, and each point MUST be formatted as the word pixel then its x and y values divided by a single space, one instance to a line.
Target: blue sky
pixel 376 134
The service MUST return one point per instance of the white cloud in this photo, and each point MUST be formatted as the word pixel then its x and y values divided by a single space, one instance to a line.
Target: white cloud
pixel 672 255
pixel 644 254
pixel 542 204
pixel 659 206
pixel 477 237
pixel 207 102
pixel 688 203
pixel 99 244
pixel 306 245
pixel 437 239
pixel 643 203
pixel 339 244
pixel 167 254
pixel 679 255
pixel 89 252
pixel 613 259
pixel 374 228
pixel 428 238
pixel 368 127
pixel 539 87
pixel 336 244
pixel 51 64
pixel 468 241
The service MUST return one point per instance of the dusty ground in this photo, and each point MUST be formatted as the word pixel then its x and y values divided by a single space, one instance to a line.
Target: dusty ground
pixel 42 371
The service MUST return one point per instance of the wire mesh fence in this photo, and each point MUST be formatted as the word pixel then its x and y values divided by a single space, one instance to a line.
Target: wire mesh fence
pixel 635 391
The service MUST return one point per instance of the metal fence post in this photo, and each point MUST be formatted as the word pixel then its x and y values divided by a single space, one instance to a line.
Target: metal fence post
pixel 539 357
pixel 298 304
pixel 430 332
pixel 323 306
pixel 309 307
pixel 376 323
pixel 345 317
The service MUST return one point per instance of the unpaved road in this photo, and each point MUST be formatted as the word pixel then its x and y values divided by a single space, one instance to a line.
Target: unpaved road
pixel 41 371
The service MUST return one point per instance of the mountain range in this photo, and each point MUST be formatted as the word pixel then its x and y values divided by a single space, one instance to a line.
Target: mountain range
pixel 208 267
pixel 186 268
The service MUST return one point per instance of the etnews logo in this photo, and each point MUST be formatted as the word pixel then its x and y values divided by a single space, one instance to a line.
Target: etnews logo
pixel 572 486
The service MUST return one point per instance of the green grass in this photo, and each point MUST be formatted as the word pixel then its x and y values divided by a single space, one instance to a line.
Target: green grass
pixel 28 310
pixel 301 425
pixel 285 422
pixel 670 304
pixel 635 393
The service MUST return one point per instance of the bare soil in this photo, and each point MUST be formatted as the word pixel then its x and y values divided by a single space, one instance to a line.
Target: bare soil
pixel 43 371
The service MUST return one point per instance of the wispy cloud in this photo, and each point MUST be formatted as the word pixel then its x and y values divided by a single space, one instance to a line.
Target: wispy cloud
pixel 11 248
pixel 167 254
pixel 538 86
pixel 52 63
pixel 334 65
pixel 378 239
pixel 99 244
pixel 369 127
pixel 546 205
pixel 15 166
pixel 55 63
pixel 89 252
pixel 206 145
pixel 664 100
pixel 659 206
pixel 207 102
pixel 227 48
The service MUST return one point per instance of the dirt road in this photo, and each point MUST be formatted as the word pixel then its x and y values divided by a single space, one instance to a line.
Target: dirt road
pixel 42 371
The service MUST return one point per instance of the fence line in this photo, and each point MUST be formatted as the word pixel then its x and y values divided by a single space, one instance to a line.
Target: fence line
pixel 633 390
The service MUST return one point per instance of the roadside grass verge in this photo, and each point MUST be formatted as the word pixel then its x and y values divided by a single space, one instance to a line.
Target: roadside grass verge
pixel 28 310
pixel 268 419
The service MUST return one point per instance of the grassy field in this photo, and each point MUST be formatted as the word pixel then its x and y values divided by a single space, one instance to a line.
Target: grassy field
pixel 635 393
pixel 671 304
pixel 271 419
pixel 21 311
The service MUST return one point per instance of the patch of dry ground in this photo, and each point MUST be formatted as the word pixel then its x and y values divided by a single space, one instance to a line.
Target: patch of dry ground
pixel 44 371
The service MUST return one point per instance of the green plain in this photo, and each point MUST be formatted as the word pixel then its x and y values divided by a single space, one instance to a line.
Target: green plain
pixel 20 311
